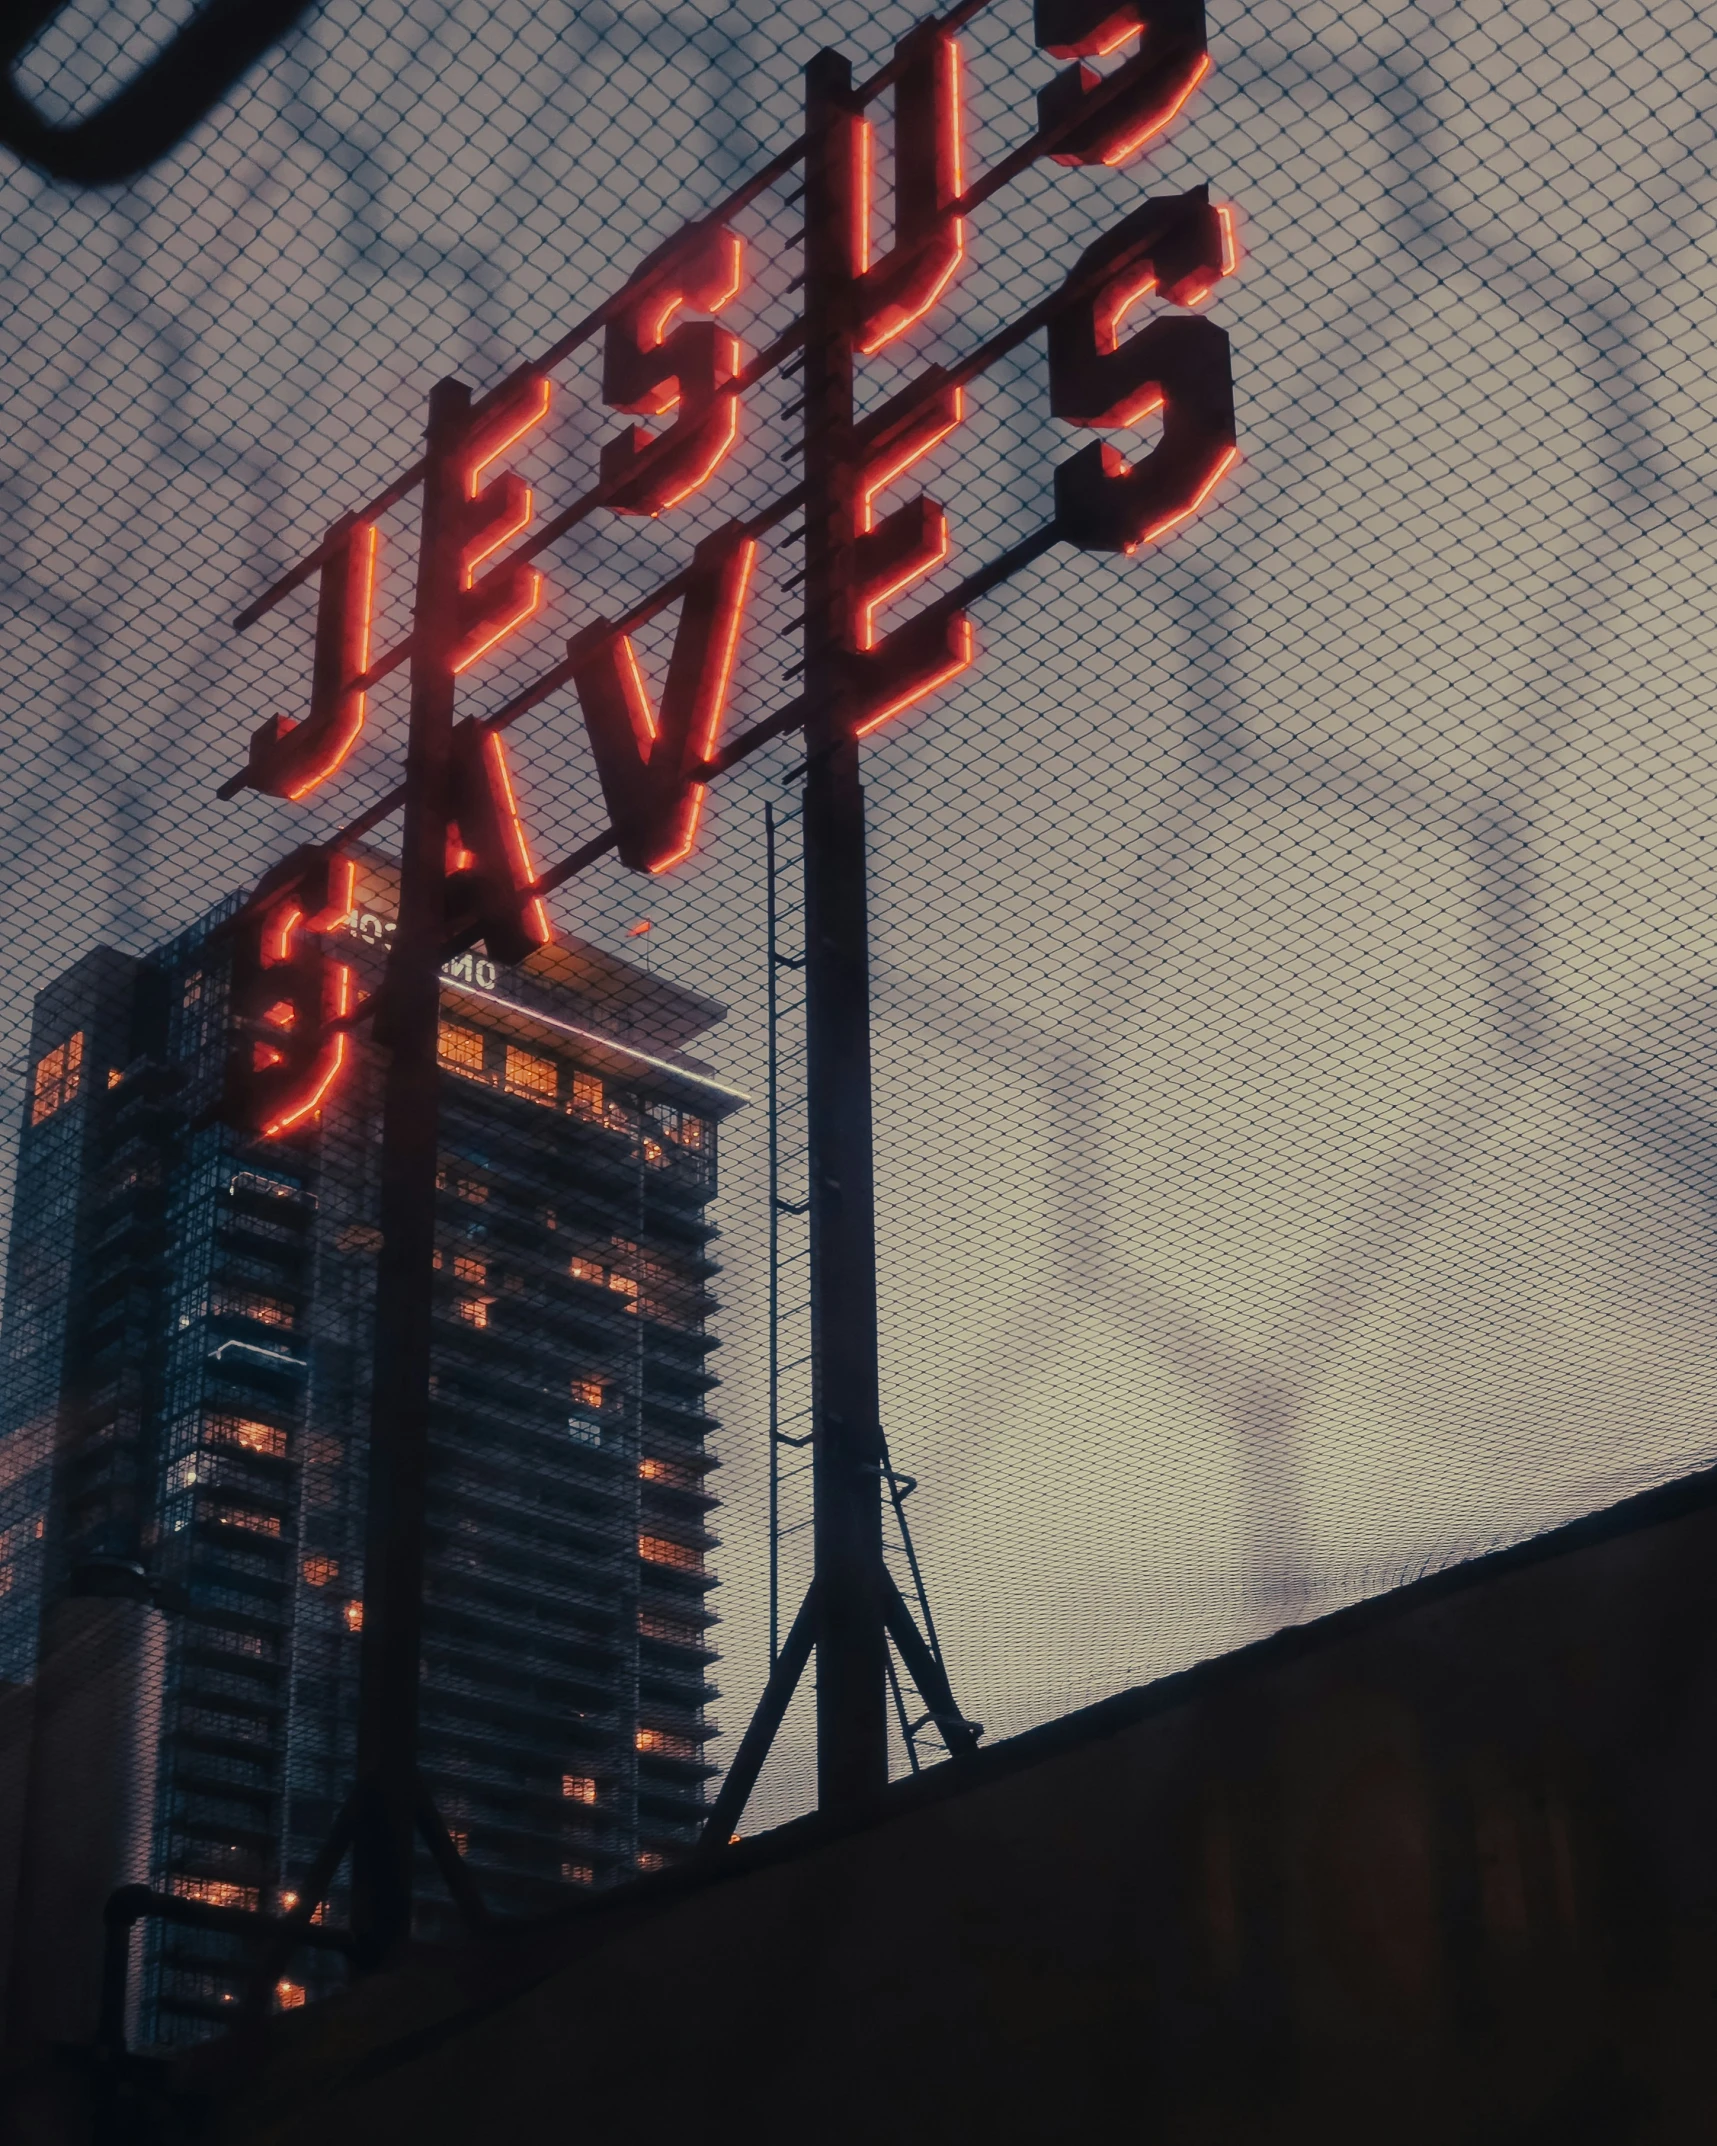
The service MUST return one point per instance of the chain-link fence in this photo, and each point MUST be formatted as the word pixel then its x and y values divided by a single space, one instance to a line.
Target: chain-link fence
pixel 1295 1131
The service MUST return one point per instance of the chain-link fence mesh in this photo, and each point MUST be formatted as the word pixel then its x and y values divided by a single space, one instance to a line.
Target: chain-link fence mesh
pixel 1293 988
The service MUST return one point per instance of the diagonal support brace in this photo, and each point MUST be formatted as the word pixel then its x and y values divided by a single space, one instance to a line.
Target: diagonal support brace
pixel 754 1745
pixel 927 1672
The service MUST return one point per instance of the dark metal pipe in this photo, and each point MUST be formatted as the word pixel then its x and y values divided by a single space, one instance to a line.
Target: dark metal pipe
pixel 771 964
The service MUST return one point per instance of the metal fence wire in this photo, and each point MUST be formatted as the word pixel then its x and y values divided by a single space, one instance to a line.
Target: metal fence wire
pixel 1292 946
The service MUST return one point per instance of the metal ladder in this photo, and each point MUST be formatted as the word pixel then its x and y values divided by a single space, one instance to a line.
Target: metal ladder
pixel 789 1232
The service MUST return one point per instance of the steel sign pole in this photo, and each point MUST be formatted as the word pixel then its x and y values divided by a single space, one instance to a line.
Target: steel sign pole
pixel 386 1815
pixel 846 1448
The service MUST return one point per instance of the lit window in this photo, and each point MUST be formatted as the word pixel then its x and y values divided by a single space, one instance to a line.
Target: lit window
pixel 270 1185
pixel 244 1431
pixel 664 1744
pixel 474 1311
pixel 620 1279
pixel 58 1073
pixel 649 1860
pixel 694 1132
pixel 246 1517
pixel 318 1571
pixel 461 1048
pixel 672 1472
pixel 354 1616
pixel 461 1186
pixel 467 1269
pixel 588 1392
pixel 114 1076
pixel 530 1075
pixel 586 1095
pixel 216 1892
pixel 658 1550
pixel 671 1629
pixel 579 1787
pixel 654 1153
pixel 588 1270
pixel 252 1304
pixel 578 1874
pixel 288 1995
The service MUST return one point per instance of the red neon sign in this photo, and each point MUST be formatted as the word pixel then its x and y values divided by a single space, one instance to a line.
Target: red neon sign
pixel 490 873
pixel 898 289
pixel 1178 247
pixel 287 993
pixel 916 658
pixel 1177 365
pixel 659 362
pixel 493 514
pixel 913 540
pixel 289 759
pixel 889 556
pixel 646 760
pixel 649 369
pixel 898 670
pixel 1134 104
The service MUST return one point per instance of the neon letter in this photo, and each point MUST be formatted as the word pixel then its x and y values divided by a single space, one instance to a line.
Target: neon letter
pixel 913 540
pixel 493 514
pixel 287 758
pixel 490 873
pixel 1139 99
pixel 646 761
pixel 649 369
pixel 1179 247
pixel 284 1052
pixel 906 545
pixel 1180 366
pixel 929 243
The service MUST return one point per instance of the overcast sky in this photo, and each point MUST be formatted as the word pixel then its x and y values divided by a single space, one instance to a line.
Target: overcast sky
pixel 1294 960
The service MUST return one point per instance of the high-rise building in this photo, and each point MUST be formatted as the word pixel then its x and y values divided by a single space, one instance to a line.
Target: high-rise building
pixel 187 1340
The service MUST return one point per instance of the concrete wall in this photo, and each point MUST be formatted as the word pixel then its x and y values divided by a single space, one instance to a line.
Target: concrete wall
pixel 1441 1869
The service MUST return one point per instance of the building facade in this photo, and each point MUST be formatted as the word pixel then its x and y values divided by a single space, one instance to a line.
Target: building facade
pixel 188 1340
